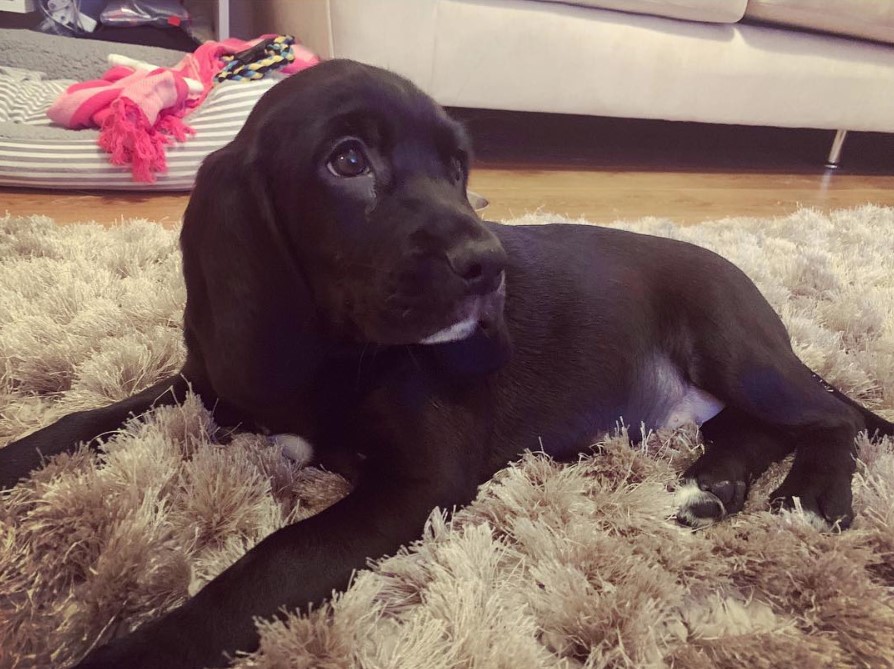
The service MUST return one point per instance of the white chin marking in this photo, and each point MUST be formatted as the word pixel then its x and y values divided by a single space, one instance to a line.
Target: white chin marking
pixel 455 332
pixel 295 448
pixel 689 497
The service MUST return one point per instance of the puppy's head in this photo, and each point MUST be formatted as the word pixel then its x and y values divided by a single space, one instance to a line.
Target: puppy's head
pixel 366 178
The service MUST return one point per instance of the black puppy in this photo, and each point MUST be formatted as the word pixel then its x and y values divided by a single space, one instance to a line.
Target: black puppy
pixel 341 289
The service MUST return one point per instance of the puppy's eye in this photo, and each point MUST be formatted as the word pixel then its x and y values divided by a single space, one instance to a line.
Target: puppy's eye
pixel 457 170
pixel 348 160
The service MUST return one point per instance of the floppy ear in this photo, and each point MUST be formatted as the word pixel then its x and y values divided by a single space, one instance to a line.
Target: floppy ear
pixel 249 317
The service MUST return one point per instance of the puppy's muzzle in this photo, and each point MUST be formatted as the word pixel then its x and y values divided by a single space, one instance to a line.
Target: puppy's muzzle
pixel 474 312
pixel 479 264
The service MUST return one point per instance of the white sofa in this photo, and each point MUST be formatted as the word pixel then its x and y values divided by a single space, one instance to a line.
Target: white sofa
pixel 538 55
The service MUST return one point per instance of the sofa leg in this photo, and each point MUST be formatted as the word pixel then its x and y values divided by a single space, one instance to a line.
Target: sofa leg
pixel 834 160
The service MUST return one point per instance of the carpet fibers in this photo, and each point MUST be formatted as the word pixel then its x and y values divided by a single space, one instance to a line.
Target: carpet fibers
pixel 552 566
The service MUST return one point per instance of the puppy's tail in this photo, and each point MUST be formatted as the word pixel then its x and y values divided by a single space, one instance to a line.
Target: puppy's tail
pixel 21 457
pixel 876 426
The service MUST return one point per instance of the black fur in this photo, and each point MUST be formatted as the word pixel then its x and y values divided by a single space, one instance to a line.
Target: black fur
pixel 308 294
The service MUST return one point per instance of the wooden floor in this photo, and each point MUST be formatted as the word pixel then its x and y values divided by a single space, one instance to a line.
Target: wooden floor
pixel 602 170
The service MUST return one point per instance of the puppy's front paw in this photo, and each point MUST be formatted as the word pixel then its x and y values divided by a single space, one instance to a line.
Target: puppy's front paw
pixel 115 656
pixel 17 461
pixel 703 502
pixel 142 651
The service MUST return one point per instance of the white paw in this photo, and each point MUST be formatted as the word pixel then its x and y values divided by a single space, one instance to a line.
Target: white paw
pixel 295 448
pixel 696 507
pixel 816 521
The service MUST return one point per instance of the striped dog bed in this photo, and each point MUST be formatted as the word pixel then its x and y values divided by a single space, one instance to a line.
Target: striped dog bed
pixel 34 153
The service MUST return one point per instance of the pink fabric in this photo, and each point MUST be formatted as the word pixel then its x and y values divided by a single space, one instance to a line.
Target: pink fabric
pixel 127 105
pixel 140 113
pixel 75 108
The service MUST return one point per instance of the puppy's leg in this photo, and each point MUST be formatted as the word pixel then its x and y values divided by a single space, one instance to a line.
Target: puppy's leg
pixel 296 566
pixel 21 457
pixel 766 380
pixel 739 449
pixel 426 452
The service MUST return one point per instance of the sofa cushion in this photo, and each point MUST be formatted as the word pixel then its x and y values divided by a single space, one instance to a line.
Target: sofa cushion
pixel 868 19
pixel 710 11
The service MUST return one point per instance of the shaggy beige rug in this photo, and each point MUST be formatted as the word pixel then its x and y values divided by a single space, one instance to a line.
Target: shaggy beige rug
pixel 552 566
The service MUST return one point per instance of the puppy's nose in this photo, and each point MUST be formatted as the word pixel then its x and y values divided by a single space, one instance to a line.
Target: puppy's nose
pixel 479 264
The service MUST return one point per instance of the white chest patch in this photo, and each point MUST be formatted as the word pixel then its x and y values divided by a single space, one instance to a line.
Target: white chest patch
pixel 696 406
pixel 680 402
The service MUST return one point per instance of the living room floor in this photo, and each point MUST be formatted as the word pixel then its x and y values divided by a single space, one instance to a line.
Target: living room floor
pixel 600 169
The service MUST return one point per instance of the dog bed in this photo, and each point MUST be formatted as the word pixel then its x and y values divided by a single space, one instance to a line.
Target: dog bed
pixel 35 153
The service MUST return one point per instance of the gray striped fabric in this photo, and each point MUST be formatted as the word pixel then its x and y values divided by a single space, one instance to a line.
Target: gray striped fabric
pixel 33 153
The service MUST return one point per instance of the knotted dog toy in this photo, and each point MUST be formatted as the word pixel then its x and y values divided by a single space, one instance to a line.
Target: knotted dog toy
pixel 256 61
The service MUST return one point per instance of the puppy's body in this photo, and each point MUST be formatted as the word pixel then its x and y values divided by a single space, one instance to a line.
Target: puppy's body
pixel 341 289
pixel 602 314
